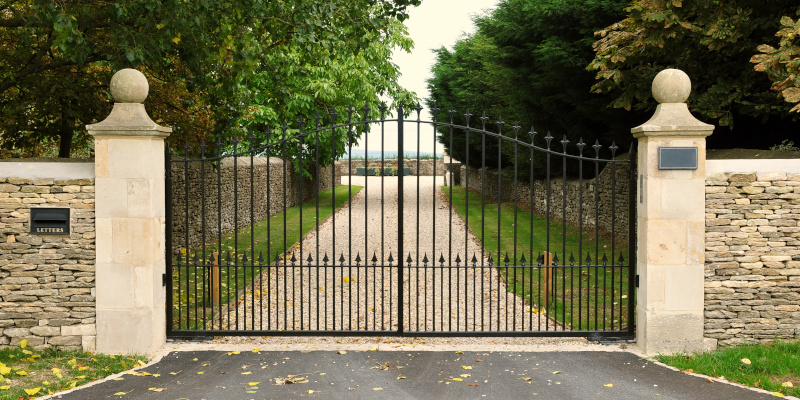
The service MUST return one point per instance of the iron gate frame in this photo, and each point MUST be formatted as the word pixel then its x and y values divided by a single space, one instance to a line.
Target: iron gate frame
pixel 627 333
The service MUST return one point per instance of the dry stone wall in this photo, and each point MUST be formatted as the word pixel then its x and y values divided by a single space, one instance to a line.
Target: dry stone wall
pixel 47 283
pixel 752 266
pixel 426 167
pixel 610 200
pixel 220 200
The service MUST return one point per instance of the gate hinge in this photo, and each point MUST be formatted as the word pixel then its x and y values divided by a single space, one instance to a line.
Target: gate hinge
pixel 164 280
pixel 636 281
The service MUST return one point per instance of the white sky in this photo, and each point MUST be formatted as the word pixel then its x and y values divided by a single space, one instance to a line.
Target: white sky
pixel 433 24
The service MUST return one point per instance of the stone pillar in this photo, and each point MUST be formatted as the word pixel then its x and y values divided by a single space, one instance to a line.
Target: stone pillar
pixel 671 224
pixel 129 179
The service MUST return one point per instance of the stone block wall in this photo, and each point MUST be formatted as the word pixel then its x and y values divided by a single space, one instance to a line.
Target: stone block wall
pixel 752 266
pixel 225 195
pixel 47 283
pixel 425 167
pixel 612 192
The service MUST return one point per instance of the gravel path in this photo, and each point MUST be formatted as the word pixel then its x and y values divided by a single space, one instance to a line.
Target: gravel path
pixel 364 298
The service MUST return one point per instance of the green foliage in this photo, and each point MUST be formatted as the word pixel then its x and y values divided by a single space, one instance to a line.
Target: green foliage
pixel 217 63
pixel 786 145
pixel 526 62
pixel 782 64
pixel 710 41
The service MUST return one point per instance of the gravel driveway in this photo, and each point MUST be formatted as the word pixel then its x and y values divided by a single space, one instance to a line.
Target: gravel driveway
pixel 364 298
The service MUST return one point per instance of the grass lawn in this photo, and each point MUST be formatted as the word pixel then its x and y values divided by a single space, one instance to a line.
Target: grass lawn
pixel 192 303
pixel 774 367
pixel 591 296
pixel 27 373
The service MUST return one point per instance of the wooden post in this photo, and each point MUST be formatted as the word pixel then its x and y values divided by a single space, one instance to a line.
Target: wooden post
pixel 215 278
pixel 548 279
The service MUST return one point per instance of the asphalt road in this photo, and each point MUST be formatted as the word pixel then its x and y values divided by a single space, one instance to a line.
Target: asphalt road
pixel 437 375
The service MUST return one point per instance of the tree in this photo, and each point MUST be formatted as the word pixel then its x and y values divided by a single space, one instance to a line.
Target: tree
pixel 713 42
pixel 205 53
pixel 782 64
pixel 526 62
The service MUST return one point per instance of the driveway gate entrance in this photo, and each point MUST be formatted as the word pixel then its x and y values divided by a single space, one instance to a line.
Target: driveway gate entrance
pixel 270 235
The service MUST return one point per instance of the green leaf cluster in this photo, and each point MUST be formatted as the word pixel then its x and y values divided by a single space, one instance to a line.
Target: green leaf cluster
pixel 713 42
pixel 217 68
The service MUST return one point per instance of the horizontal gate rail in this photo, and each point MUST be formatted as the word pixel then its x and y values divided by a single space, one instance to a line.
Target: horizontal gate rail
pixel 238 264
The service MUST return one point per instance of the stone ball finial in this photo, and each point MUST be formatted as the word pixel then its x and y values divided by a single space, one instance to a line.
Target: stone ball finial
pixel 129 86
pixel 671 86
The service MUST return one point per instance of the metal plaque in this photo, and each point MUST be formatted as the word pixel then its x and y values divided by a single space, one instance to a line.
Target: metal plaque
pixel 677 158
pixel 50 221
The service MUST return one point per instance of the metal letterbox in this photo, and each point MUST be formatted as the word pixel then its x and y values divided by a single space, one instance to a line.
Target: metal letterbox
pixel 50 221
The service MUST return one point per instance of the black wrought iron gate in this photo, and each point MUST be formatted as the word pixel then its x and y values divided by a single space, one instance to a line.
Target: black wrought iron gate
pixel 285 233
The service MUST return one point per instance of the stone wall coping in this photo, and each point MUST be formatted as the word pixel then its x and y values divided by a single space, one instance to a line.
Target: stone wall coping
pixel 752 166
pixel 47 170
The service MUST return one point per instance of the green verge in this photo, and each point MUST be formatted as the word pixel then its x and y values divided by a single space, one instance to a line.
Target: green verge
pixel 774 367
pixel 582 298
pixel 192 305
pixel 26 373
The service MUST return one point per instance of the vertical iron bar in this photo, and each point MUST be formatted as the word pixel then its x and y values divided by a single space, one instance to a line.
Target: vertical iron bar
pixel 252 237
pixel 236 226
pixel 301 178
pixel 516 222
pixel 269 239
pixel 632 170
pixel 549 293
pixel 596 235
pixel 186 233
pixel 168 238
pixel 564 238
pixel 203 229
pixel 349 215
pixel 580 235
pixel 400 212
pixel 532 192
pixel 499 208
pixel 316 215
pixel 283 247
pixel 483 215
pixel 219 233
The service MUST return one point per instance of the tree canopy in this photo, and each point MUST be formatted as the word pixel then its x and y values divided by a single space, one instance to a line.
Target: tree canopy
pixel 713 42
pixel 217 69
pixel 526 62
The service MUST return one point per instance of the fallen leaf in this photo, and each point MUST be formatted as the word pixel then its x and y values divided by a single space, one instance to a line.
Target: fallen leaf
pixel 466 366
pixel 465 375
pixel 23 343
pixel 787 384
pixel 309 391
pixel 82 368
pixel 141 363
pixel 120 394
pixel 21 373
pixel 256 350
pixel 175 373
pixel 609 385
pixel 377 388
pixel 194 359
pixel 72 362
pixel 472 384
pixel 153 389
pixel 777 394
pixel 253 383
pixel 28 352
pixel 457 379
pixel 341 352
pixel 401 377
pixel 746 361
pixel 200 373
pixel 233 353
pixel 33 391
pixel 119 379
pixel 556 372
pixel 246 373
pixel 6 387
pixel 479 360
